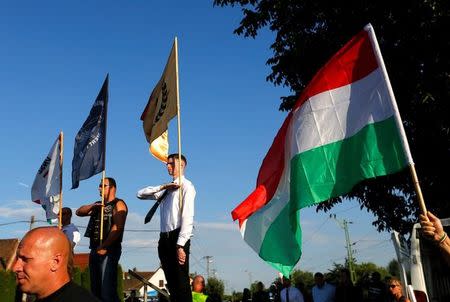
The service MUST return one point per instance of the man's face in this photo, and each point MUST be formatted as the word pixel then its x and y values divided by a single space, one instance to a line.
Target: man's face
pixel 106 186
pixel 32 266
pixel 65 217
pixel 319 281
pixel 172 167
pixel 198 284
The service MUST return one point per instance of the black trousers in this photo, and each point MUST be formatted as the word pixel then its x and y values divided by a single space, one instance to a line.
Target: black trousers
pixel 177 275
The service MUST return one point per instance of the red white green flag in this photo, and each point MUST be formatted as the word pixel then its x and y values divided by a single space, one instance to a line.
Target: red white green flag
pixel 344 128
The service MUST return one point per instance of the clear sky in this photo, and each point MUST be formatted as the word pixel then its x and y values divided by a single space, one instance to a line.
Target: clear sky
pixel 54 56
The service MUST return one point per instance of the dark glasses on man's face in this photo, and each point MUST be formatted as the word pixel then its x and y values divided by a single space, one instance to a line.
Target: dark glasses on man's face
pixel 393 285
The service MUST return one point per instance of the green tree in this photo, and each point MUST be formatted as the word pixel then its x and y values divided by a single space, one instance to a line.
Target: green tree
pixel 120 282
pixel 415 46
pixel 7 286
pixel 214 287
pixel 305 277
pixel 393 268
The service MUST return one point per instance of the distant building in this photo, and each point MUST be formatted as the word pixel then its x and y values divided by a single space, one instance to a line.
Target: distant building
pixel 81 261
pixel 131 284
pixel 8 248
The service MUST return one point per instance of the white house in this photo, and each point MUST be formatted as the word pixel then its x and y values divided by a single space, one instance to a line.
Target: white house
pixel 131 284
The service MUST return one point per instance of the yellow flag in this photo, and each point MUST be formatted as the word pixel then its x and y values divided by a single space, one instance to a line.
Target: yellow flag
pixel 161 108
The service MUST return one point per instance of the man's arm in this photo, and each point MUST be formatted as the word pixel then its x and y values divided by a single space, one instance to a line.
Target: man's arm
pixel 118 220
pixel 155 192
pixel 86 210
pixel 187 221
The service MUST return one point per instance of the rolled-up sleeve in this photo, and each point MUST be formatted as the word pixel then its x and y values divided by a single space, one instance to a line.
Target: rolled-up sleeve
pixel 150 193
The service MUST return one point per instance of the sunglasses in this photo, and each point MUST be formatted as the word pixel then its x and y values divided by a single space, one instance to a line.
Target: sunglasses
pixel 393 286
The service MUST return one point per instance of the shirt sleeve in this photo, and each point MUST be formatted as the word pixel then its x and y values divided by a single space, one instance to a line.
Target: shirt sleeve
pixel 150 193
pixel 187 216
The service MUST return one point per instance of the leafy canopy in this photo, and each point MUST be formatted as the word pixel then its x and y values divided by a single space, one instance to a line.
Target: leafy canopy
pixel 414 42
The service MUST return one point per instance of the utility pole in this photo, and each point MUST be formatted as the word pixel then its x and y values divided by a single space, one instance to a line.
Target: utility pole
pixel 344 225
pixel 249 277
pixel 208 261
pixel 31 222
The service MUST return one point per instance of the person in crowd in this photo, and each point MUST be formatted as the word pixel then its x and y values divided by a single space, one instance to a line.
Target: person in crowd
pixel 396 290
pixel 68 228
pixel 433 230
pixel 42 267
pixel 260 295
pixel 376 291
pixel 105 253
pixel 246 295
pixel 290 293
pixel 345 290
pixel 176 223
pixel 198 289
pixel 322 291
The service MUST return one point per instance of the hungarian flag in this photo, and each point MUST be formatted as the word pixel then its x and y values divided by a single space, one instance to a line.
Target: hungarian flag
pixel 161 108
pixel 46 189
pixel 344 128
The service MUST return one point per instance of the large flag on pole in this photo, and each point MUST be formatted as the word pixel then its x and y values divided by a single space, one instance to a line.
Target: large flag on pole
pixel 161 108
pixel 90 142
pixel 344 128
pixel 46 187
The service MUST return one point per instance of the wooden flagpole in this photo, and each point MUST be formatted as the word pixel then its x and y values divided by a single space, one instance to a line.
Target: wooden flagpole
pixel 422 205
pixel 104 160
pixel 61 160
pixel 180 196
pixel 398 119
pixel 103 205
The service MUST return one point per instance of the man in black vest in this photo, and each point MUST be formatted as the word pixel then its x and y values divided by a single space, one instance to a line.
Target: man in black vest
pixel 105 254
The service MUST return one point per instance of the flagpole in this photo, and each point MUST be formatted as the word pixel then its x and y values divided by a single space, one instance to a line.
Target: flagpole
pixel 61 159
pixel 104 160
pixel 398 120
pixel 179 128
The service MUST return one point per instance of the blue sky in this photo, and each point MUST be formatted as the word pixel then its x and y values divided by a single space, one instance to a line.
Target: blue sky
pixel 54 58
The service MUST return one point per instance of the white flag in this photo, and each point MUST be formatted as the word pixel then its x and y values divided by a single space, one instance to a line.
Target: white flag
pixel 46 186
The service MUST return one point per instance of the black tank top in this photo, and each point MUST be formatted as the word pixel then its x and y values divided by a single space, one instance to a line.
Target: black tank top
pixel 93 228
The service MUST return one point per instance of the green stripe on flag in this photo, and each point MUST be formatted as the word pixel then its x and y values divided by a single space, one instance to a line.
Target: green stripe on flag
pixel 281 246
pixel 333 169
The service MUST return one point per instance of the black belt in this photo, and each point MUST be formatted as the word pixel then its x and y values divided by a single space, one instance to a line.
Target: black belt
pixel 170 234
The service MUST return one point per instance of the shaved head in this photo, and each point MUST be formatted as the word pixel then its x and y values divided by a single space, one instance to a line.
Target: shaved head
pixel 42 261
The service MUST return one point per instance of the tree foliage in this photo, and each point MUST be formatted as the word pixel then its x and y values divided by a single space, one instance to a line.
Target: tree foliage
pixel 413 40
pixel 214 287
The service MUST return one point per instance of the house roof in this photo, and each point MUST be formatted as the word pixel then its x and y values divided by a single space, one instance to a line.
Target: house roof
pixel 81 260
pixel 8 248
pixel 131 283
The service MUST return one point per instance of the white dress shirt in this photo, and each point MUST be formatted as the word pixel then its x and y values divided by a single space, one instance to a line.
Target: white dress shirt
pixel 72 233
pixel 294 294
pixel 170 218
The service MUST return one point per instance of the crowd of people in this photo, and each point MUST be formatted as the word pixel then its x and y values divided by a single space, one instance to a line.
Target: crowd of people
pixel 322 291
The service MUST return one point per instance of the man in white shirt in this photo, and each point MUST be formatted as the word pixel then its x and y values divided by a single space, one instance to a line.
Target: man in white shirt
pixel 68 228
pixel 176 221
pixel 322 291
pixel 290 293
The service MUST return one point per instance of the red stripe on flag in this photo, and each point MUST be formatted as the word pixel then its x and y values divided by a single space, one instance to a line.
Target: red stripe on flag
pixel 354 61
pixel 351 63
pixel 268 177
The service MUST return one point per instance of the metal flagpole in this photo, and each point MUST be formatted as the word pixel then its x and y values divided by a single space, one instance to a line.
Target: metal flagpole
pixel 398 119
pixel 61 160
pixel 179 128
pixel 104 159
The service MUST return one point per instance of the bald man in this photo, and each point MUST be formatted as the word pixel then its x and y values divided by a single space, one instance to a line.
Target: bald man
pixel 41 267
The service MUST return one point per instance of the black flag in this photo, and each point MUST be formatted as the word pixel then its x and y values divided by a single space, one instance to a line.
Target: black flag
pixel 90 142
